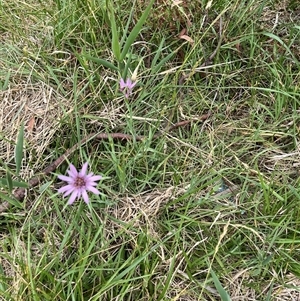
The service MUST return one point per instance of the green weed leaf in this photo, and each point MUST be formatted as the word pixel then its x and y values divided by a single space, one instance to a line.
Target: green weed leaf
pixel 157 67
pixel 4 85
pixel 136 30
pixel 115 35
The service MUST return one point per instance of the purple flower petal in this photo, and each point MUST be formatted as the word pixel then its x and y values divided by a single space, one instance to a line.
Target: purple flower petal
pixel 65 189
pixel 126 87
pixel 85 196
pixel 84 169
pixel 72 198
pixel 65 178
pixel 69 190
pixel 130 84
pixel 93 190
pixel 91 184
pixel 95 178
pixel 73 171
pixel 122 83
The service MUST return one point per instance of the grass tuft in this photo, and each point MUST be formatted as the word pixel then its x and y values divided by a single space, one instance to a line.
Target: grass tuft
pixel 208 211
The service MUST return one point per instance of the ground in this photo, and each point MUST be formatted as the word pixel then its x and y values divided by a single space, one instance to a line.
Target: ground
pixel 219 194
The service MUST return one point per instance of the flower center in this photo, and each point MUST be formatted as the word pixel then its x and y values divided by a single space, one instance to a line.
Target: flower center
pixel 79 182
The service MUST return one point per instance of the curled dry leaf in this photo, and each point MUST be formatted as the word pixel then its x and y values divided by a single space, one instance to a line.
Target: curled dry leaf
pixel 183 32
pixel 31 124
pixel 183 35
pixel 187 38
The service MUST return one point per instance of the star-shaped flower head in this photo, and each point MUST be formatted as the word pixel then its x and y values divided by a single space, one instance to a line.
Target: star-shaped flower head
pixel 126 87
pixel 79 183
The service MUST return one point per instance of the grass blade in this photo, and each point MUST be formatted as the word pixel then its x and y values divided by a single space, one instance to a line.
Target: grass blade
pixel 279 40
pixel 223 294
pixel 136 30
pixel 4 182
pixel 10 201
pixel 115 35
pixel 19 149
pixel 9 181
pixel 101 62
pixel 157 68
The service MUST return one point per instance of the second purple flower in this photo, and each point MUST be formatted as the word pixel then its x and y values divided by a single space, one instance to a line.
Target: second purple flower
pixel 127 86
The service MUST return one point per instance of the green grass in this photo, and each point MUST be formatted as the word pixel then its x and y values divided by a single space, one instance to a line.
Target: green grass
pixel 206 209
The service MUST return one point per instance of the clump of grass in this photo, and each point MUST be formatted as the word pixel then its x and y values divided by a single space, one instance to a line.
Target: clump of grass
pixel 208 211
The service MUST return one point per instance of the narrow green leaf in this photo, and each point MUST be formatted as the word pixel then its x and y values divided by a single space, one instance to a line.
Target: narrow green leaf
pixel 115 35
pixel 3 286
pixel 269 295
pixel 101 62
pixel 9 181
pixel 125 71
pixel 19 149
pixel 268 259
pixel 136 30
pixel 44 187
pixel 279 40
pixel 156 68
pixel 125 30
pixel 6 82
pixel 223 294
pixel 157 53
pixel 3 182
pixel 10 201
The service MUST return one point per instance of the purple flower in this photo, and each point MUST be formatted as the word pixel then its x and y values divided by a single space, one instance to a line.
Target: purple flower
pixel 126 87
pixel 79 183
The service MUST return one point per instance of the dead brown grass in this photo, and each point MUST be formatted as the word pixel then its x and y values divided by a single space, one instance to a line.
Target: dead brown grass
pixel 39 108
pixel 239 288
pixel 142 210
